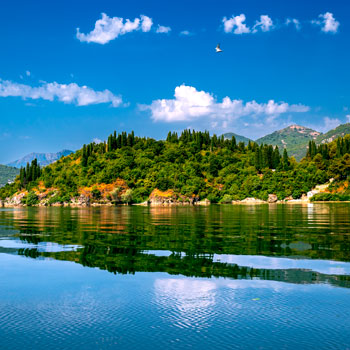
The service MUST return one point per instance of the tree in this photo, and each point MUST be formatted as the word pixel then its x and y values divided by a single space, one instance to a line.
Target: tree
pixel 285 160
pixel 127 196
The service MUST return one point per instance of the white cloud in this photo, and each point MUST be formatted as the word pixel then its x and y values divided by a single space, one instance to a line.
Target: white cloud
pixel 327 124
pixel 328 23
pixel 190 105
pixel 293 21
pixel 265 24
pixel 67 93
pixel 347 118
pixel 146 23
pixel 186 33
pixel 236 24
pixel 162 29
pixel 109 28
pixel 330 123
pixel 28 73
pixel 97 140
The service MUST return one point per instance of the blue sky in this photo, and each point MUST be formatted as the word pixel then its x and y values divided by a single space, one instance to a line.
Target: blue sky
pixel 283 62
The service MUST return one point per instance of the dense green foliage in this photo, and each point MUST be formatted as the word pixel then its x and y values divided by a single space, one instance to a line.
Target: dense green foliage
pixel 7 173
pixel 193 163
pixel 30 199
pixel 30 173
pixel 328 197
pixel 335 157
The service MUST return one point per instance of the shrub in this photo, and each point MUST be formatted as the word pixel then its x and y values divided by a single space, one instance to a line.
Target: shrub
pixel 31 199
pixel 326 197
pixel 226 199
pixel 127 196
pixel 96 194
pixel 115 194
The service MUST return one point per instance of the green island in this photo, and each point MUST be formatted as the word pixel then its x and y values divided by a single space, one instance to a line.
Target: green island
pixel 190 168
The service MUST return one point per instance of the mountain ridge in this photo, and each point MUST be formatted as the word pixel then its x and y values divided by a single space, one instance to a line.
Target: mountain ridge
pixel 239 138
pixel 43 158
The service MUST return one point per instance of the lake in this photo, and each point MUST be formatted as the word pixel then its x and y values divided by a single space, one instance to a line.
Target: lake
pixel 216 277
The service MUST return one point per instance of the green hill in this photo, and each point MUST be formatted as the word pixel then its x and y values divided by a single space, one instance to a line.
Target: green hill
pixel 333 134
pixel 7 174
pixel 294 138
pixel 239 138
pixel 194 165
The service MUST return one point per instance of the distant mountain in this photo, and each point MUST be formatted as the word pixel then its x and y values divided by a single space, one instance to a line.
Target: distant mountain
pixel 43 158
pixel 239 138
pixel 294 138
pixel 7 174
pixel 331 135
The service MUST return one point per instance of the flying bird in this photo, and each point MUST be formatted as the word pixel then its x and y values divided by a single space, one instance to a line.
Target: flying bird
pixel 217 49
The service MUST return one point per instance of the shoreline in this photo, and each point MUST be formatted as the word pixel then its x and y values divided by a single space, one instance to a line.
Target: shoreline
pixel 167 205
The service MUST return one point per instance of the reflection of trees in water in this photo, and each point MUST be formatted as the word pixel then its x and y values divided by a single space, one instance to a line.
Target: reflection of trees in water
pixel 278 230
pixel 130 261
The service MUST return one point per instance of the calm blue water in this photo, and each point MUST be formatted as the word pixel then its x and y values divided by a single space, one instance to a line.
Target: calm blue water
pixel 223 277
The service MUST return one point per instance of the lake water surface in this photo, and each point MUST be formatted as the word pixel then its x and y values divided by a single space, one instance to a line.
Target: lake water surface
pixel 217 277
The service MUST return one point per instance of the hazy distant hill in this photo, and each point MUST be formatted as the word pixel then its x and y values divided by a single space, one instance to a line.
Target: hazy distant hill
pixel 295 138
pixel 239 138
pixel 7 174
pixel 333 134
pixel 43 158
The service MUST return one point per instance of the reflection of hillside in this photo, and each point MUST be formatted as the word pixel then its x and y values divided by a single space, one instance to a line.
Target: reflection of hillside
pixel 130 261
pixel 282 230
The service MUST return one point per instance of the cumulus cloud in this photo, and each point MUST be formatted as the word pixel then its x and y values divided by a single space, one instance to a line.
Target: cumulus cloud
pixel 293 21
pixel 66 93
pixel 236 24
pixel 109 28
pixel 146 23
pixel 190 105
pixel 162 29
pixel 347 118
pixel 265 24
pixel 327 22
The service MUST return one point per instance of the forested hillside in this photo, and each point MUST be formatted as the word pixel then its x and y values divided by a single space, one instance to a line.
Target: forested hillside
pixel 331 135
pixel 7 173
pixel 294 138
pixel 191 164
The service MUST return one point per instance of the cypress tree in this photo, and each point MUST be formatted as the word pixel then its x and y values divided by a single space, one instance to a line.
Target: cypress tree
pixel 233 143
pixel 276 158
pixel 285 160
pixel 84 157
pixel 257 159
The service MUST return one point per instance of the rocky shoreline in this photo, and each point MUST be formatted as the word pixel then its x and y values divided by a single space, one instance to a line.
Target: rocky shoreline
pixel 156 199
pixel 83 202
